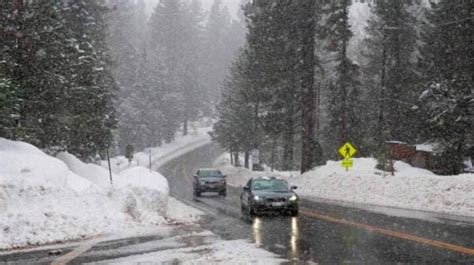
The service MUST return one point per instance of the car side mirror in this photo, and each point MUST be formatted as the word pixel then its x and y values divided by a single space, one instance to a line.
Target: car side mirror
pixel 294 187
pixel 246 188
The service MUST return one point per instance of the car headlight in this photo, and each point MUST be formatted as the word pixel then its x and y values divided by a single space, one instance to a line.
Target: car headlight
pixel 293 198
pixel 257 198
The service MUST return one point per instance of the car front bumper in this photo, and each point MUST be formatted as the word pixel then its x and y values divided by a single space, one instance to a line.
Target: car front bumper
pixel 212 187
pixel 275 206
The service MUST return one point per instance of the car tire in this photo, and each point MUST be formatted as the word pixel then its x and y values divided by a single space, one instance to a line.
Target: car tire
pixel 293 213
pixel 223 193
pixel 250 211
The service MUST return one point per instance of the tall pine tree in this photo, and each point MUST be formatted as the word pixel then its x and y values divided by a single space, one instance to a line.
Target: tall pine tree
pixel 391 50
pixel 57 76
pixel 448 72
pixel 344 88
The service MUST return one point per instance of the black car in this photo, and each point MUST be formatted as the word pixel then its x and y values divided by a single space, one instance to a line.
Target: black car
pixel 209 180
pixel 261 195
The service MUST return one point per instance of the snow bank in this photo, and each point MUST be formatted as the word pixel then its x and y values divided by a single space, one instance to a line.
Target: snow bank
pixel 24 165
pixel 410 187
pixel 92 172
pixel 238 176
pixel 45 199
pixel 42 201
pixel 146 194
pixel 138 192
pixel 118 164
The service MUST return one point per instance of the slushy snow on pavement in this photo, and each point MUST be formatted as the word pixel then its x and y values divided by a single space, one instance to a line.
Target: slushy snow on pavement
pixel 211 251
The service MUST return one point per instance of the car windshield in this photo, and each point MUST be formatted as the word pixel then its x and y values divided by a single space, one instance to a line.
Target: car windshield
pixel 270 185
pixel 210 174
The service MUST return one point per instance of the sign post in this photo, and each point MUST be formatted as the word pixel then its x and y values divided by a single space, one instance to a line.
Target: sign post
pixel 149 157
pixel 347 151
pixel 110 167
pixel 129 153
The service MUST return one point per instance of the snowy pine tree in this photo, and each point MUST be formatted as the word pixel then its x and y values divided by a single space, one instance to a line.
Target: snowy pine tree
pixel 217 52
pixel 344 122
pixel 57 76
pixel 92 118
pixel 392 72
pixel 448 72
pixel 234 130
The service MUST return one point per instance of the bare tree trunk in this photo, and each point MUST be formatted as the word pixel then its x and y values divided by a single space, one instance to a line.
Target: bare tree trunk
pixel 381 118
pixel 256 140
pixel 22 56
pixel 273 154
pixel 307 29
pixel 344 135
pixel 247 158
pixel 236 159
pixel 185 127
pixel 19 4
pixel 288 142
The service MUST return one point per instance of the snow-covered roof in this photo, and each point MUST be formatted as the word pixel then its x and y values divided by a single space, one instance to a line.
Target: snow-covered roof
pixel 424 147
pixel 208 169
pixel 395 142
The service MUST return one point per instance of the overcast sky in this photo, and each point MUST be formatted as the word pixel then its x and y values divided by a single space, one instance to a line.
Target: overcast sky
pixel 233 5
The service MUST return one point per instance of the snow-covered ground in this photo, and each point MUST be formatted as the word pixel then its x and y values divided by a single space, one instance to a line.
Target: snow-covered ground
pixel 181 213
pixel 164 153
pixel 409 188
pixel 45 199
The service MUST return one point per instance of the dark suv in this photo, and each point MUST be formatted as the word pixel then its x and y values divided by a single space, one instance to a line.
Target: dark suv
pixel 262 195
pixel 209 180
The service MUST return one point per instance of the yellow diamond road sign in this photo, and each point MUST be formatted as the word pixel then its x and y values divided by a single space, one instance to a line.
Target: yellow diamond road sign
pixel 347 162
pixel 347 150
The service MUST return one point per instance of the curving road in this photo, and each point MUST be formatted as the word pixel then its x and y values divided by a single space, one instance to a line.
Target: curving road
pixel 325 233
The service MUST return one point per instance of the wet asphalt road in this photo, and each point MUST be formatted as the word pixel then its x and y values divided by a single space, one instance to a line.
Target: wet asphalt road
pixel 326 233
pixel 323 233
